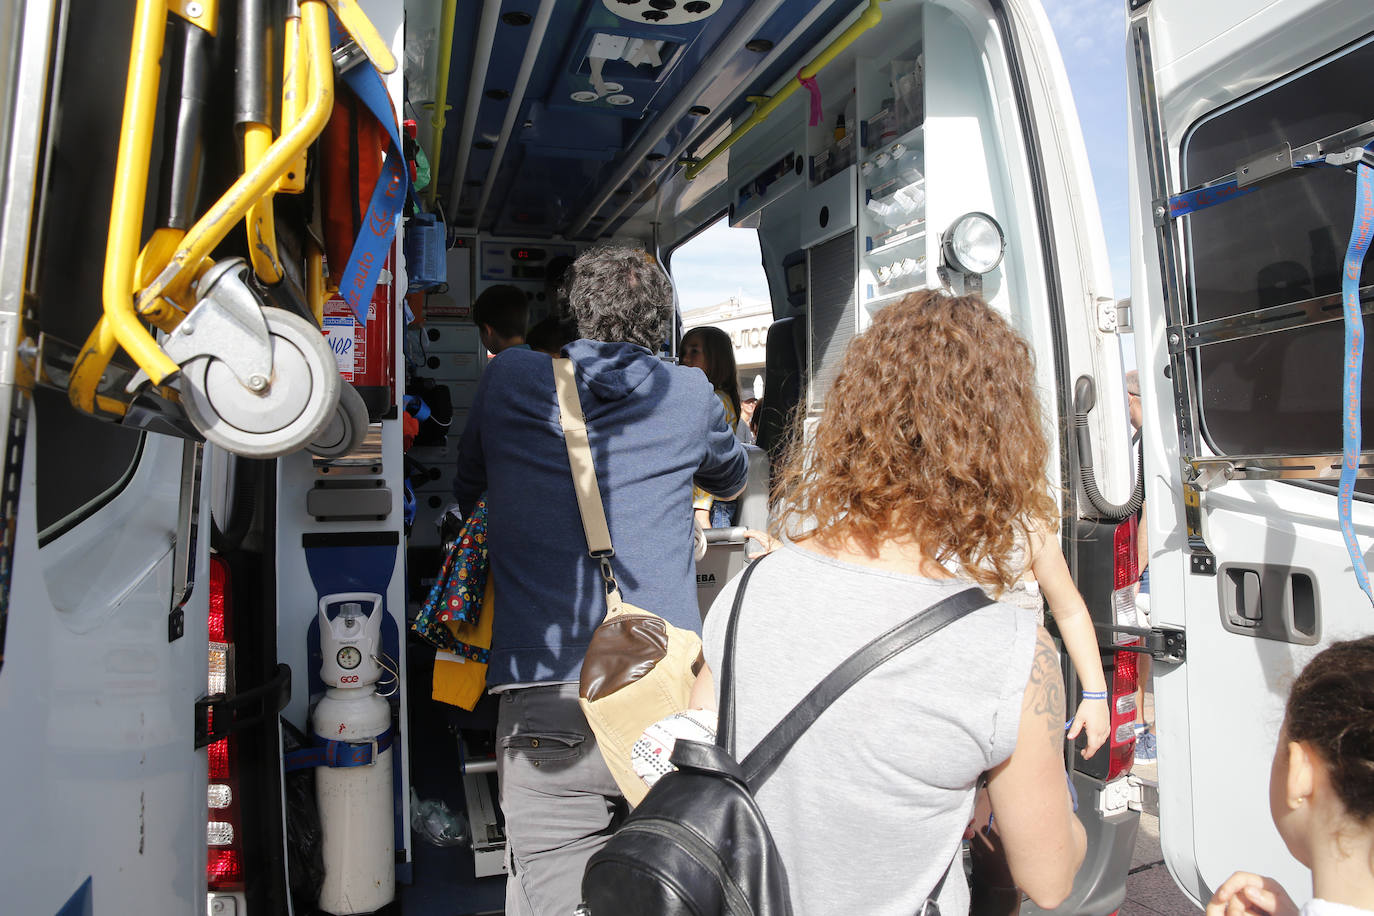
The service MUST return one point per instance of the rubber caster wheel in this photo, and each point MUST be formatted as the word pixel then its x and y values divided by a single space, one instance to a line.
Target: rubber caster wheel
pixel 346 430
pixel 298 402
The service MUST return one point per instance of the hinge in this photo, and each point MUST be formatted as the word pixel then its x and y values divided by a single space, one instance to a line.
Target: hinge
pixel 218 716
pixel 1163 644
pixel 1107 315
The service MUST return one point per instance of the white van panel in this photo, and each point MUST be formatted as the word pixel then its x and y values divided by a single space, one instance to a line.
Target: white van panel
pixel 1207 54
pixel 98 706
pixel 1219 712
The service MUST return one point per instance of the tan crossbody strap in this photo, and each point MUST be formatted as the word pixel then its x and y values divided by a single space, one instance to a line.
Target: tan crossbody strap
pixel 580 458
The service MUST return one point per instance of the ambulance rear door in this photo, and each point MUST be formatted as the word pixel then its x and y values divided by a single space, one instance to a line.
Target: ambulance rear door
pixel 1238 260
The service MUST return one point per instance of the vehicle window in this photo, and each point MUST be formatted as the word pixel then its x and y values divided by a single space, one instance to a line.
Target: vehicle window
pixel 1280 244
pixel 81 462
pixel 719 278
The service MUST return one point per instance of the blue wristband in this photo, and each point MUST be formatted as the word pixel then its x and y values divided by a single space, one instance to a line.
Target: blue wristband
pixel 1094 694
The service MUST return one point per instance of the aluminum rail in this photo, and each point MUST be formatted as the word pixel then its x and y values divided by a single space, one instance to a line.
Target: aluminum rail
pixel 671 160
pixel 867 20
pixel 517 99
pixel 754 17
pixel 481 56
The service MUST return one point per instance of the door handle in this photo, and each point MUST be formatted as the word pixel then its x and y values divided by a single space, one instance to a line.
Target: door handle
pixel 1269 602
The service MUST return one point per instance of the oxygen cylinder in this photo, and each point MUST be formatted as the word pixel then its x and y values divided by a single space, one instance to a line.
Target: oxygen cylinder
pixel 355 802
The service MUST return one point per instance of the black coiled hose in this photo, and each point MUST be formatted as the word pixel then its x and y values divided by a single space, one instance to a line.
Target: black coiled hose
pixel 1084 399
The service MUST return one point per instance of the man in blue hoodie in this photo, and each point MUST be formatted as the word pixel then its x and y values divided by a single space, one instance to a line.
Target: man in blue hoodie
pixel 655 428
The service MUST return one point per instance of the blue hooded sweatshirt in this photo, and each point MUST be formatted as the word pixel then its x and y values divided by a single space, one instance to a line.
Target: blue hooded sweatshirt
pixel 654 429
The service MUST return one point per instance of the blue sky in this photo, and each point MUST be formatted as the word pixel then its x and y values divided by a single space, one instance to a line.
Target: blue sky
pixel 723 262
pixel 1092 38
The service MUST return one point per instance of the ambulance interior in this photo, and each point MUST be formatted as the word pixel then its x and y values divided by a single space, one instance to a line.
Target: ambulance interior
pixel 903 157
pixel 631 122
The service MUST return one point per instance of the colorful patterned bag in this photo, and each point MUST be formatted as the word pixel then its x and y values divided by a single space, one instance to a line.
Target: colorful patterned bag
pixel 456 618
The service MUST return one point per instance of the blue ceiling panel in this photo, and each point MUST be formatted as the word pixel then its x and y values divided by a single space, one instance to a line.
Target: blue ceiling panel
pixel 563 153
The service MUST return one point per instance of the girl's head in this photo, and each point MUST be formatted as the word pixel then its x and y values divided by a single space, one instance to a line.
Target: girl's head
pixel 932 434
pixel 1323 772
pixel 711 350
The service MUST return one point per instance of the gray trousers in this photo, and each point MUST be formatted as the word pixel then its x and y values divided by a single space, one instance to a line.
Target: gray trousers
pixel 560 801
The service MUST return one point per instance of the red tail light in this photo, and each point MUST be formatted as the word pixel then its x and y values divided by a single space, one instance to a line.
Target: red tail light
pixel 1125 675
pixel 224 849
pixel 1125 680
pixel 1125 565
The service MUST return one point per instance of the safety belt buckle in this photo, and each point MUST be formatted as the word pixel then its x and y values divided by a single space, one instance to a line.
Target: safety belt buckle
pixel 1353 156
pixel 347 56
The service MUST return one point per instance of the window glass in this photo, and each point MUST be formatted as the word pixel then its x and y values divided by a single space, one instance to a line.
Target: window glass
pixel 1285 242
pixel 81 462
pixel 719 279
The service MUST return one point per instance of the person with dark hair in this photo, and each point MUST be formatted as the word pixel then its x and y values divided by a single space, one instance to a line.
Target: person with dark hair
pixel 551 334
pixel 931 447
pixel 711 350
pixel 1321 792
pixel 555 284
pixel 500 314
pixel 654 430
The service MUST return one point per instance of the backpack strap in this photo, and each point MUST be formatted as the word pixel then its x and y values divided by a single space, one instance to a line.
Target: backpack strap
pixel 766 756
pixel 725 724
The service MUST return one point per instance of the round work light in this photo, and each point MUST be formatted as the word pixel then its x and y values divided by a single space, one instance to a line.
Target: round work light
pixel 974 243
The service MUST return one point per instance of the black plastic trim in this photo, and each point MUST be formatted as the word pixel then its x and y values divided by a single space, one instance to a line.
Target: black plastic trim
pixel 352 539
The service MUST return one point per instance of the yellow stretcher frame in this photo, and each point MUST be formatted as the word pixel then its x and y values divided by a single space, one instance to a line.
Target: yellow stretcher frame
pixel 151 286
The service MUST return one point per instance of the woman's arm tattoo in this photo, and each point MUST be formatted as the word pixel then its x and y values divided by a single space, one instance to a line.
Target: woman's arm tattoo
pixel 1047 687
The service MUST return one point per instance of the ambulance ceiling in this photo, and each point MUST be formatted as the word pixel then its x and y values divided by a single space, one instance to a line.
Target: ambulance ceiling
pixel 607 77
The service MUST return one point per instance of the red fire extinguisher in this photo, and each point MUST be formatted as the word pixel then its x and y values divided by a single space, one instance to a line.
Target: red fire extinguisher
pixel 366 354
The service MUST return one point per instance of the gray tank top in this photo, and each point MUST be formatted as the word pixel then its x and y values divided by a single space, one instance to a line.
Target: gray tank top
pixel 869 806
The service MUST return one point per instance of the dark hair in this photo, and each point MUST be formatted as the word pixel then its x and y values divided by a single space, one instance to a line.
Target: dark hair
pixel 504 309
pixel 551 334
pixel 620 294
pixel 720 360
pixel 932 433
pixel 1331 709
pixel 556 278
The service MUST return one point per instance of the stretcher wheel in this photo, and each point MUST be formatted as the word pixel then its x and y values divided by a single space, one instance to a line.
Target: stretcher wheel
pixel 346 430
pixel 295 405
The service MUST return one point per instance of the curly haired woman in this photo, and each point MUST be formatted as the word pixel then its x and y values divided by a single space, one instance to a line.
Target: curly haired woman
pixel 931 450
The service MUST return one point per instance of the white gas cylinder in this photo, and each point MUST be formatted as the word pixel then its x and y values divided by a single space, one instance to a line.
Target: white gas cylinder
pixel 355 802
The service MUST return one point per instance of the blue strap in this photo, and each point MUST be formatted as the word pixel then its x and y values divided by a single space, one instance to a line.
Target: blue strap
pixel 418 408
pixel 1202 198
pixel 327 753
pixel 388 197
pixel 1354 364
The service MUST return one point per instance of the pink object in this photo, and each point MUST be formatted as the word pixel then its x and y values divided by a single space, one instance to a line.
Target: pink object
pixel 810 85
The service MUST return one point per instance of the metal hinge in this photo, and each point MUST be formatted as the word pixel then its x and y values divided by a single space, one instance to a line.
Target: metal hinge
pixel 219 715
pixel 1163 644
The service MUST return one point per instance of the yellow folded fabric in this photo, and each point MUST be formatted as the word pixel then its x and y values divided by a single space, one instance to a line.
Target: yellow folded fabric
pixel 459 680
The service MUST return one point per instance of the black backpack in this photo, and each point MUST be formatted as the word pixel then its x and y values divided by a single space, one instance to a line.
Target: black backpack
pixel 698 844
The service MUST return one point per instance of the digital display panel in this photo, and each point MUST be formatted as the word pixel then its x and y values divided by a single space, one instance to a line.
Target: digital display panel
pixel 527 254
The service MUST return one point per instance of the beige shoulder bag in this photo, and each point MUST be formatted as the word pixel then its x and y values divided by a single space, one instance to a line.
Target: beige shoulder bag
pixel 639 668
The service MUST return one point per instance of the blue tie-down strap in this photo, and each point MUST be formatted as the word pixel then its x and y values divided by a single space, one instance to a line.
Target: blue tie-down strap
pixel 327 753
pixel 418 408
pixel 1352 371
pixel 389 195
pixel 1202 198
